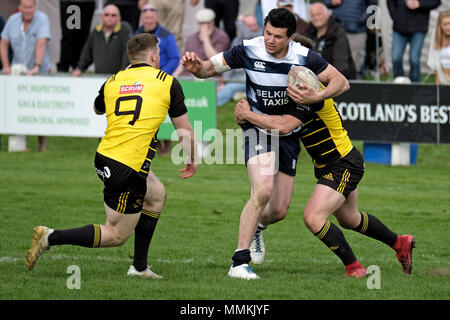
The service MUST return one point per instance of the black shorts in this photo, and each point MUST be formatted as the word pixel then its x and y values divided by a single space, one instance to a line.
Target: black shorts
pixel 344 174
pixel 286 149
pixel 124 189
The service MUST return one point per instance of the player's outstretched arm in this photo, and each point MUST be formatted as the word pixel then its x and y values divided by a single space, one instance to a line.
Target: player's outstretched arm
pixel 204 69
pixel 188 142
pixel 283 124
pixel 200 69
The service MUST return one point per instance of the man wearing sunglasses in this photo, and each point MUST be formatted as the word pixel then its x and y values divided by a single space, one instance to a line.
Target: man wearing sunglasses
pixel 106 46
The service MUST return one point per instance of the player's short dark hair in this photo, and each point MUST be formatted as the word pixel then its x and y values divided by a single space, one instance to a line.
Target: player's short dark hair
pixel 139 46
pixel 282 18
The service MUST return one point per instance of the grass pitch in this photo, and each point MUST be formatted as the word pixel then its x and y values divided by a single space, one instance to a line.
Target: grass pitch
pixel 197 232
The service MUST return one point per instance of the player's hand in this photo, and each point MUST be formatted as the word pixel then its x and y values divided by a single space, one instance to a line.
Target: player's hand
pixel 303 95
pixel 240 111
pixel 240 122
pixel 191 62
pixel 189 170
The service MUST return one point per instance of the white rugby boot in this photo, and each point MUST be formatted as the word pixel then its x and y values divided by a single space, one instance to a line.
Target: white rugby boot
pixel 38 245
pixel 147 273
pixel 243 271
pixel 257 248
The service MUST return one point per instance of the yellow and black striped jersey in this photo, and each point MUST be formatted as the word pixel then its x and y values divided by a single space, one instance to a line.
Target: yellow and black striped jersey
pixel 136 101
pixel 322 133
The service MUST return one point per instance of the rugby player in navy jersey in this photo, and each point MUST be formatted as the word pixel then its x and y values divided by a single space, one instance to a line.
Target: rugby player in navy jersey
pixel 270 158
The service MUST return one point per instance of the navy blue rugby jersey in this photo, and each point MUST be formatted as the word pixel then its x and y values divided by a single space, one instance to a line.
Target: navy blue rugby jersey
pixel 266 76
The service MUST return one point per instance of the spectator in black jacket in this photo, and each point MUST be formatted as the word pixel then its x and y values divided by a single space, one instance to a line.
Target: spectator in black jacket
pixel 353 15
pixel 410 19
pixel 73 36
pixel 106 45
pixel 330 40
pixel 2 24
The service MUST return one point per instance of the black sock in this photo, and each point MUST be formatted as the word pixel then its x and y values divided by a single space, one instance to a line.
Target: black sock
pixel 334 239
pixel 241 257
pixel 87 236
pixel 374 228
pixel 260 228
pixel 143 236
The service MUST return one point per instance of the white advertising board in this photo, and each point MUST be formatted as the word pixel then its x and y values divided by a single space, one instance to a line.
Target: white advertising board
pixel 50 106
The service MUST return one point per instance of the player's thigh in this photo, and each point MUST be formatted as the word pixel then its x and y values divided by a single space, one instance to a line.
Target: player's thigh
pixel 260 157
pixel 260 169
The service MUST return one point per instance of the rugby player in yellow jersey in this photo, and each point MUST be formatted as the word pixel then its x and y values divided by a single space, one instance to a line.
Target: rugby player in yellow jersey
pixel 338 167
pixel 136 102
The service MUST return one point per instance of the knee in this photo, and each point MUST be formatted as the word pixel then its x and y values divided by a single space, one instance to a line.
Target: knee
pixel 313 221
pixel 118 238
pixel 397 58
pixel 156 199
pixel 262 194
pixel 279 213
pixel 349 222
pixel 163 196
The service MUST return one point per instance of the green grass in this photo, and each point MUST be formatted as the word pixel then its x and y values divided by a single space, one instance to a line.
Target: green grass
pixel 197 231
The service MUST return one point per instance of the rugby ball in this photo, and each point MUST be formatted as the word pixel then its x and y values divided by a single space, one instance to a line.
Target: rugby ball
pixel 300 74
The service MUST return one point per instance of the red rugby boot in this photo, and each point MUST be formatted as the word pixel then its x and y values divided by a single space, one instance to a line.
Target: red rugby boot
pixel 403 248
pixel 355 269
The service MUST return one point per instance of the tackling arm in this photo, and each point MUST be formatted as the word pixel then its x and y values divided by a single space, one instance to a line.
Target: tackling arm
pixel 283 124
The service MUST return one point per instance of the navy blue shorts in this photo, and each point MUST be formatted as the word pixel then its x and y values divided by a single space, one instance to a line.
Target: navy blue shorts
pixel 286 149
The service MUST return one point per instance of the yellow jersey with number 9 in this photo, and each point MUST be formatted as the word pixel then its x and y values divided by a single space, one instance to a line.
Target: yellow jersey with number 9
pixel 136 102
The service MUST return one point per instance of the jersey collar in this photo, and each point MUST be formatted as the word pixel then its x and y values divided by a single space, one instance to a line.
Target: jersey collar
pixel 138 65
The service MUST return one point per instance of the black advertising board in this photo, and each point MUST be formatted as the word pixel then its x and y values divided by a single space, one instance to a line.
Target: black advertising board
pixel 387 112
pixel 444 99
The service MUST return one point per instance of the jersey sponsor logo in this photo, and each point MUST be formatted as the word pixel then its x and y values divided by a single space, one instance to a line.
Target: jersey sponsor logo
pixel 272 98
pixel 260 65
pixel 135 88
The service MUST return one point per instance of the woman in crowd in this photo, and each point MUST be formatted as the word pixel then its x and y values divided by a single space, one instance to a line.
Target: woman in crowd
pixel 442 46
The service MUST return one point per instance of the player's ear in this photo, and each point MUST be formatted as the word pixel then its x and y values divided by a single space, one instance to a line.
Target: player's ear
pixel 152 56
pixel 292 37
